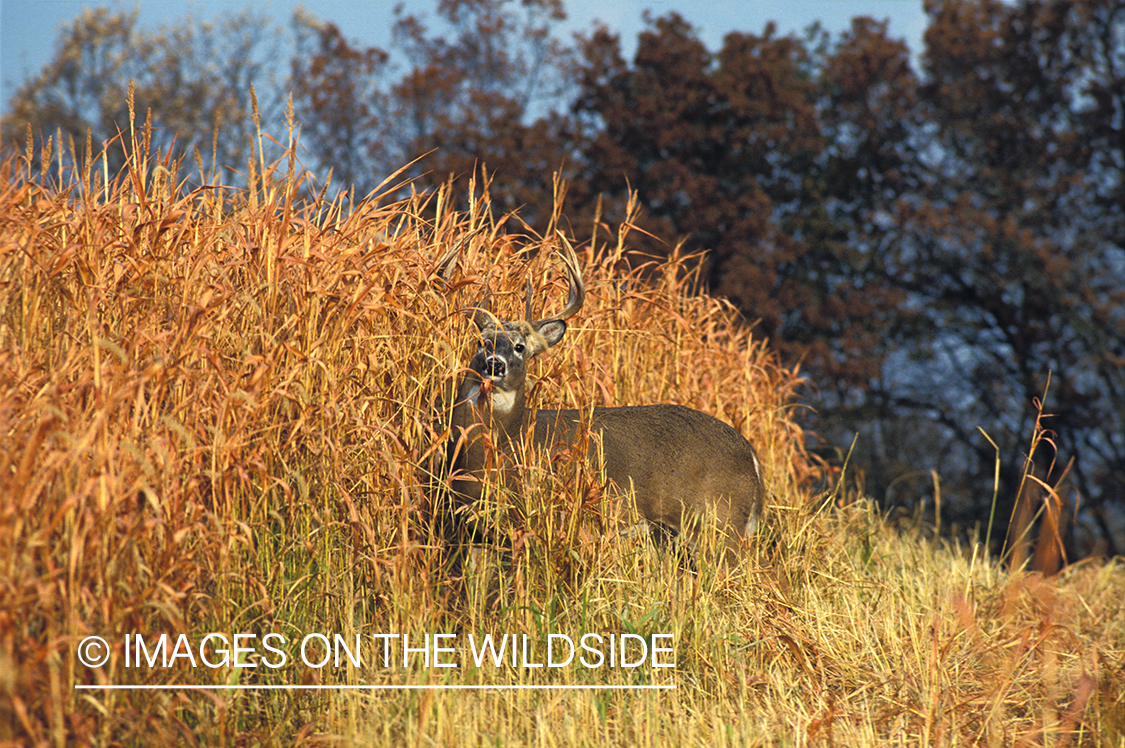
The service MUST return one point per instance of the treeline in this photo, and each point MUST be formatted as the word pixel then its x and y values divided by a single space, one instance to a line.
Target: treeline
pixel 934 239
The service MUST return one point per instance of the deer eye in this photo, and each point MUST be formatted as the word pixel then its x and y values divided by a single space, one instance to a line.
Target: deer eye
pixel 519 347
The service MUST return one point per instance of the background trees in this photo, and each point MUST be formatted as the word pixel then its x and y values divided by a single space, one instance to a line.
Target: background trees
pixel 930 243
pixel 1013 245
pixel 931 246
pixel 481 92
pixel 195 77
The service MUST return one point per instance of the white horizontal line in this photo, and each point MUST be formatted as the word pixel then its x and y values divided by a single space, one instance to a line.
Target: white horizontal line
pixel 173 687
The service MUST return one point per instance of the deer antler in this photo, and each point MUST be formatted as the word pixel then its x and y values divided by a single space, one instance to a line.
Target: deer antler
pixel 480 311
pixel 448 261
pixel 576 295
pixel 527 301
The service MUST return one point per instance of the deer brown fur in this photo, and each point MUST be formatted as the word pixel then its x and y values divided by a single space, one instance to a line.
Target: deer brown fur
pixel 685 470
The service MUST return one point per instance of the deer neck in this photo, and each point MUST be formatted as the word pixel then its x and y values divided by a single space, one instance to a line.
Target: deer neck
pixel 502 412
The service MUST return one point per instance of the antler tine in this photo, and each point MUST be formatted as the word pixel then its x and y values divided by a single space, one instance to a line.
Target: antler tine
pixel 448 261
pixel 528 299
pixel 576 296
pixel 480 311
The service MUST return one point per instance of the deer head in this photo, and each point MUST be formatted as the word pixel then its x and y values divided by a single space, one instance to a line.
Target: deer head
pixel 499 366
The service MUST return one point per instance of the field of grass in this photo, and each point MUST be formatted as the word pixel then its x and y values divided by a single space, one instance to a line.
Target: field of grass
pixel 215 415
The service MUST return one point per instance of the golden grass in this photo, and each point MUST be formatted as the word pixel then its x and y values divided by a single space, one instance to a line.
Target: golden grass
pixel 215 410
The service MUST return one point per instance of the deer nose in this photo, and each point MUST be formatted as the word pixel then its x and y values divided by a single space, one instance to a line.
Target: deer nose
pixel 494 366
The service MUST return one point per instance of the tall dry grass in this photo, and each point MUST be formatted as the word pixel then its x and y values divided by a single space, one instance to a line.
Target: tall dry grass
pixel 216 411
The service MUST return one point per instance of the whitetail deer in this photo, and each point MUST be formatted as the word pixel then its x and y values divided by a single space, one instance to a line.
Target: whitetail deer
pixel 686 470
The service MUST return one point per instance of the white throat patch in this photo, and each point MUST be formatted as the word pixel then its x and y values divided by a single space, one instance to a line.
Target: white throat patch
pixel 502 402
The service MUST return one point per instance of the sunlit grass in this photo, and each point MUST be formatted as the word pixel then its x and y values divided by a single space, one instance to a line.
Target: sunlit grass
pixel 217 410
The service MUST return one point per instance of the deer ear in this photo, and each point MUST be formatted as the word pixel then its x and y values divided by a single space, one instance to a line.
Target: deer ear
pixel 552 330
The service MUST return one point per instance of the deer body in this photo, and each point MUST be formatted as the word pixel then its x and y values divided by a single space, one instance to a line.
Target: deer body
pixel 685 470
pixel 675 460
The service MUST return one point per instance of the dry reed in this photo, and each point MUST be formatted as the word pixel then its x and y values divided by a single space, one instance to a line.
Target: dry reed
pixel 216 409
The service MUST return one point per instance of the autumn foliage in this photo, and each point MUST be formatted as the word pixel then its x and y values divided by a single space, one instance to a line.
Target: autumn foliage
pixel 932 234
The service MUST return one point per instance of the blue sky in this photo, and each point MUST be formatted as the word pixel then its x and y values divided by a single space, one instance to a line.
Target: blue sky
pixel 29 28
